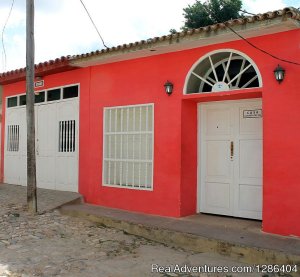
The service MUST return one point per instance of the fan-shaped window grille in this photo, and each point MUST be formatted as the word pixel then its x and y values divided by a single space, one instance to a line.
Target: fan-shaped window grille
pixel 223 71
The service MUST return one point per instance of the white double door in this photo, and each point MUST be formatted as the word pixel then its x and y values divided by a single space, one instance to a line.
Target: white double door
pixel 56 145
pixel 230 158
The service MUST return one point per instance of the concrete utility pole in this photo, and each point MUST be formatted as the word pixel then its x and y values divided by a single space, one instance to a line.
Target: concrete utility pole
pixel 31 159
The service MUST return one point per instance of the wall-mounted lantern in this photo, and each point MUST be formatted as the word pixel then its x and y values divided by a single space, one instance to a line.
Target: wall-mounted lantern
pixel 279 74
pixel 168 87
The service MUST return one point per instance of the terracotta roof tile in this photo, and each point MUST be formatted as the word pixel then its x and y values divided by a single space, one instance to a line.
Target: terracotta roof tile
pixel 63 63
pixel 288 12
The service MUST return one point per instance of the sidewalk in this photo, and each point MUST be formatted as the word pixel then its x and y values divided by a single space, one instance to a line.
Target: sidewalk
pixel 46 199
pixel 237 238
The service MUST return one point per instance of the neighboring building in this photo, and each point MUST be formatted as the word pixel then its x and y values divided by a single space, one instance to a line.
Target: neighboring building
pixel 226 141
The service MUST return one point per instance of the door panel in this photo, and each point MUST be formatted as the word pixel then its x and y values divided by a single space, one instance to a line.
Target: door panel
pixel 250 199
pixel 46 145
pixel 15 165
pixel 217 160
pixel 218 196
pixel 230 147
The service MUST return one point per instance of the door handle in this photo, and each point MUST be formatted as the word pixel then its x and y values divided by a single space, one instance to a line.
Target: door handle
pixel 231 150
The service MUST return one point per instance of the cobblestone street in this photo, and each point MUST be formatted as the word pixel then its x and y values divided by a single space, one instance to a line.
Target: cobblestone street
pixel 50 244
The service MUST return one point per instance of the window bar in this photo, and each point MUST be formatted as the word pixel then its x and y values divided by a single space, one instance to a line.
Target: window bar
pixel 14 137
pixel 127 157
pixel 226 69
pixel 240 73
pixel 226 76
pixel 9 139
pixel 109 146
pixel 121 148
pixel 250 81
pixel 202 79
pixel 64 138
pixel 133 148
pixel 74 134
pixel 68 135
pixel 146 157
pixel 140 147
pixel 18 137
pixel 211 79
pixel 71 136
pixel 59 136
pixel 115 162
pixel 213 68
pixel 237 84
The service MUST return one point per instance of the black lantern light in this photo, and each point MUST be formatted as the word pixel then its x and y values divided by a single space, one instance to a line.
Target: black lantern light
pixel 168 87
pixel 279 74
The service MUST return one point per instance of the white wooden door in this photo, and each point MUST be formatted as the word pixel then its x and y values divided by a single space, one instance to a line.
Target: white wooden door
pixel 15 147
pixel 230 158
pixel 56 145
pixel 46 145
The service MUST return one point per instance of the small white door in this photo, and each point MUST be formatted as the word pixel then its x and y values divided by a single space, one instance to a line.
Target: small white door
pixel 15 156
pixel 230 145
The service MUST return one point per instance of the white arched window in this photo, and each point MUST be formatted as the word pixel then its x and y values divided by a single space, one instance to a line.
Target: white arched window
pixel 222 70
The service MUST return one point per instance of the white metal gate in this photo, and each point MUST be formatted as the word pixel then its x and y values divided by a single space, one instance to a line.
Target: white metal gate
pixel 56 145
pixel 230 177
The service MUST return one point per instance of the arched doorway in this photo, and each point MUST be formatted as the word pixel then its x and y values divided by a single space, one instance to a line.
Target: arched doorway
pixel 222 70
pixel 229 136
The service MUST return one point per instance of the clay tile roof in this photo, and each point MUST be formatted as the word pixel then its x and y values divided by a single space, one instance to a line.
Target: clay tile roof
pixel 41 69
pixel 63 63
pixel 290 12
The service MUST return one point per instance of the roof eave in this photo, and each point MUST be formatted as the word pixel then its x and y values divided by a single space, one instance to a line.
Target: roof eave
pixel 186 40
pixel 40 71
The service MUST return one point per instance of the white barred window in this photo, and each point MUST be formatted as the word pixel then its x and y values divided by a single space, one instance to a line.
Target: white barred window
pixel 128 146
pixel 13 138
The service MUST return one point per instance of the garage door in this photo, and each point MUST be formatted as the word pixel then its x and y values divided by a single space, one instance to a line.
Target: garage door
pixel 56 121
pixel 230 141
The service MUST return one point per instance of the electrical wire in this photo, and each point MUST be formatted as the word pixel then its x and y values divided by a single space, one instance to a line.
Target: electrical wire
pixel 260 49
pixel 252 44
pixel 2 36
pixel 244 11
pixel 93 23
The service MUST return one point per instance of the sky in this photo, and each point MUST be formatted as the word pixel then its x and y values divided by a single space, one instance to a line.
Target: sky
pixel 63 28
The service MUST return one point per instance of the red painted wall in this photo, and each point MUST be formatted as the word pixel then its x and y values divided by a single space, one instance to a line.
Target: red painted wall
pixel 175 131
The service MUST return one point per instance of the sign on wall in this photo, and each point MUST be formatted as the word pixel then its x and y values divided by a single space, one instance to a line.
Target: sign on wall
pixel 39 84
pixel 257 113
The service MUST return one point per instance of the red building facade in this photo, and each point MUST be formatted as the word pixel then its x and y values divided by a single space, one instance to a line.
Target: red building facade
pixel 140 149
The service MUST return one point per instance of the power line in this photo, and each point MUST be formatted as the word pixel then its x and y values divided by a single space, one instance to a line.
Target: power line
pixel 244 11
pixel 2 36
pixel 252 44
pixel 256 47
pixel 93 23
pixel 260 49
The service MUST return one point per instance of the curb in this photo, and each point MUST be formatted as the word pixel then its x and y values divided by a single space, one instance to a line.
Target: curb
pixel 242 253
